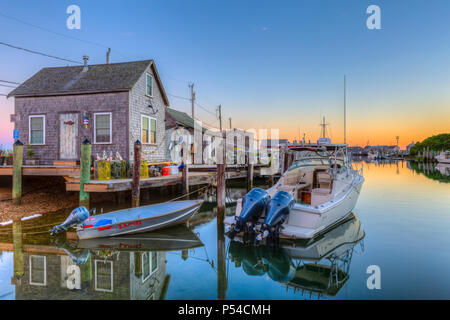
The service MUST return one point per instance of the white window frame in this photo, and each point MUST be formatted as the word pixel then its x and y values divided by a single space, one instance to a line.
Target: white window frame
pixel 112 276
pixel 149 128
pixel 151 264
pixel 45 271
pixel 95 127
pixel 29 129
pixel 146 84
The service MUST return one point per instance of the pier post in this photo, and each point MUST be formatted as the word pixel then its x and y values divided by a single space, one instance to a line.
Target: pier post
pixel 135 184
pixel 285 161
pixel 221 186
pixel 85 171
pixel 185 180
pixel 221 257
pixel 17 172
pixel 249 173
pixel 19 270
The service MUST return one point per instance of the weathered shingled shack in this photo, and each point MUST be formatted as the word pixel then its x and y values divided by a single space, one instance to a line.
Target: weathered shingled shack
pixel 112 105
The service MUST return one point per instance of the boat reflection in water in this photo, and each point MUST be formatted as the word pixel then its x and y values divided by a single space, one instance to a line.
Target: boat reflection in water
pixel 318 267
pixel 131 267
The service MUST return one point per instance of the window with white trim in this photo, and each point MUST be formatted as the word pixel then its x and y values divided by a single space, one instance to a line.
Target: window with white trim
pixel 145 266
pixel 38 270
pixel 103 127
pixel 149 85
pixel 103 276
pixel 37 129
pixel 153 261
pixel 148 129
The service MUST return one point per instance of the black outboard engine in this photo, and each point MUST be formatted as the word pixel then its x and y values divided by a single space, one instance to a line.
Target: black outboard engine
pixel 78 215
pixel 253 205
pixel 276 213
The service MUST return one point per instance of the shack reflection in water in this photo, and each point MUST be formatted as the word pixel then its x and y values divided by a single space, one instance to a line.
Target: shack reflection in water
pixel 317 267
pixel 131 267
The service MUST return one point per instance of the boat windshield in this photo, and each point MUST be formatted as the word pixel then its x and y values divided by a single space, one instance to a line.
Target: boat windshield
pixel 315 162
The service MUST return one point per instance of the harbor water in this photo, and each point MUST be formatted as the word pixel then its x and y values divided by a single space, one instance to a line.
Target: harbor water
pixel 399 234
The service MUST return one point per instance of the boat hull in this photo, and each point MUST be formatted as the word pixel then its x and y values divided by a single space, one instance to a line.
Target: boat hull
pixel 140 223
pixel 307 222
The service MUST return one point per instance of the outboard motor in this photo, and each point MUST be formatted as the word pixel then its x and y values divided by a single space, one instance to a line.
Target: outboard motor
pixel 78 215
pixel 277 211
pixel 253 206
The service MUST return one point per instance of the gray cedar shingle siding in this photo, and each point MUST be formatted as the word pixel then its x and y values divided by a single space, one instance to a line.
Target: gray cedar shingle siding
pixel 117 88
pixel 53 106
pixel 139 105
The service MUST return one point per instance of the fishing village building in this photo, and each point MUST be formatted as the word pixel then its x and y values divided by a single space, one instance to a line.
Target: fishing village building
pixel 180 129
pixel 111 105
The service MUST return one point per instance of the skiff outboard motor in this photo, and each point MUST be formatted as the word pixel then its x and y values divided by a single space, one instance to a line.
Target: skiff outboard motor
pixel 253 206
pixel 277 211
pixel 78 215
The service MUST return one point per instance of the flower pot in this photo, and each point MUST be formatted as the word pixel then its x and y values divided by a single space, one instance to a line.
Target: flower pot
pixel 2 160
pixel 9 161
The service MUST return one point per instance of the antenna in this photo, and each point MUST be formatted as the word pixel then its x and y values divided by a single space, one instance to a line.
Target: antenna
pixel 323 125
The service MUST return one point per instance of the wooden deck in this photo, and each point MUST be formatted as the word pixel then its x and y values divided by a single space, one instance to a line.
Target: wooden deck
pixel 117 185
pixel 198 175
pixel 50 170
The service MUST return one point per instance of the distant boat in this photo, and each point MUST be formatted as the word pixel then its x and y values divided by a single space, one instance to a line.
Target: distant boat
pixel 128 221
pixel 443 157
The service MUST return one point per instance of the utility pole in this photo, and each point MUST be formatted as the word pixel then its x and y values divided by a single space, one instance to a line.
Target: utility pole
pixel 107 55
pixel 230 123
pixel 220 116
pixel 192 98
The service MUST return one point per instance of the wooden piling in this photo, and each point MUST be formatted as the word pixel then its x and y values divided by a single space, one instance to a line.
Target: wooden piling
pixel 17 172
pixel 249 173
pixel 19 269
pixel 85 171
pixel 185 180
pixel 221 186
pixel 285 162
pixel 135 184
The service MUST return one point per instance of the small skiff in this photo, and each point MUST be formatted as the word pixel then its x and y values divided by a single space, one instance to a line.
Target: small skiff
pixel 127 221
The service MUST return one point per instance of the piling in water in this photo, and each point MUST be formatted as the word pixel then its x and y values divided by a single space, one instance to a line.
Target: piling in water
pixel 85 171
pixel 185 180
pixel 221 185
pixel 18 250
pixel 135 184
pixel 17 172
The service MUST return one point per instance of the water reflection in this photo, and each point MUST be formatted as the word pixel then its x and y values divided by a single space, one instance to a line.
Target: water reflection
pixel 132 267
pixel 318 267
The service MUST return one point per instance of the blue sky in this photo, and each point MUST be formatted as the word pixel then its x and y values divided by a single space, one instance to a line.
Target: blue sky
pixel 271 64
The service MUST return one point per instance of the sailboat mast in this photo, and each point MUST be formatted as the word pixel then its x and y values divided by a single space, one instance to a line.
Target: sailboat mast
pixel 345 110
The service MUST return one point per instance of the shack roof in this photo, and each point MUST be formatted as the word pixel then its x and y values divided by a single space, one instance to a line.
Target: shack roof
pixel 112 77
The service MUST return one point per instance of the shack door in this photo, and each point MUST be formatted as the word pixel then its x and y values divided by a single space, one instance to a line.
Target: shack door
pixel 68 136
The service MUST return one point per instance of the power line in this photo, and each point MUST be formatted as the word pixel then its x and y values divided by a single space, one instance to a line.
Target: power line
pixel 9 82
pixel 201 107
pixel 40 53
pixel 4 85
pixel 57 33
pixel 175 96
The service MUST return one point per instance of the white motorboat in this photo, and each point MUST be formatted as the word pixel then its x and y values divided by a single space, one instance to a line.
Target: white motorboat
pixel 443 157
pixel 319 190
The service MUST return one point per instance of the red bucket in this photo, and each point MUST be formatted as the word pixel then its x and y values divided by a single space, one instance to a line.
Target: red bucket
pixel 165 171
